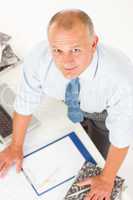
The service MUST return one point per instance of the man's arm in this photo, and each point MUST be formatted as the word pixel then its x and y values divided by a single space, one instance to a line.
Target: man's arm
pixel 14 152
pixel 113 162
pixel 20 124
pixel 101 186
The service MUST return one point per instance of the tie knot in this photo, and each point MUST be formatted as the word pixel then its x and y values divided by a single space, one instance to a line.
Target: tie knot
pixel 74 81
pixel 73 86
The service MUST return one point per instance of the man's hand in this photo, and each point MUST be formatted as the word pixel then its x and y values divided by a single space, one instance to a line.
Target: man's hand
pixel 101 188
pixel 12 154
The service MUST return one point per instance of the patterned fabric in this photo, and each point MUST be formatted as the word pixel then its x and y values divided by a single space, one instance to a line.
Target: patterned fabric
pixel 7 56
pixel 4 38
pixel 89 170
pixel 71 99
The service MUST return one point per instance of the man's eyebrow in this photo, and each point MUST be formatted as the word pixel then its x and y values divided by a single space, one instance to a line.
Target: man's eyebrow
pixel 73 46
pixel 76 46
pixel 53 46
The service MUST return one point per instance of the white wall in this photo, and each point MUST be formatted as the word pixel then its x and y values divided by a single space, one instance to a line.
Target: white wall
pixel 26 21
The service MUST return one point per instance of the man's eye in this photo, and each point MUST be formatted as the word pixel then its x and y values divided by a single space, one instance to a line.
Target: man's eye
pixel 76 50
pixel 56 50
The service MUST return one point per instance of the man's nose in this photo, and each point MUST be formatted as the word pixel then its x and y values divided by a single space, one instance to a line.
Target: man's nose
pixel 68 58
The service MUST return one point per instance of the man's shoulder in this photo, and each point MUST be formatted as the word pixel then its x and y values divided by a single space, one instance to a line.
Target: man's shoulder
pixel 38 56
pixel 39 50
pixel 115 63
pixel 113 55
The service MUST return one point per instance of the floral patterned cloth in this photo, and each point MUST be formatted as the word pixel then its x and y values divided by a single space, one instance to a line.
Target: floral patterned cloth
pixel 88 170
pixel 7 56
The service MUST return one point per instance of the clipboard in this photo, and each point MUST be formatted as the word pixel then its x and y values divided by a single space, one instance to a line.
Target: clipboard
pixel 64 158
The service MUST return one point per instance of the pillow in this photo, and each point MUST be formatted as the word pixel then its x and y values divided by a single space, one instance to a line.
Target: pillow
pixel 4 38
pixel 8 57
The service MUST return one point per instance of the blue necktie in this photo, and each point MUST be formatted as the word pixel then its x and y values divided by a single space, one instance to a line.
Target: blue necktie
pixel 71 99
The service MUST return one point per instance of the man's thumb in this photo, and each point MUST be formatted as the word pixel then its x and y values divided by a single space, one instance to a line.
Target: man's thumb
pixel 84 183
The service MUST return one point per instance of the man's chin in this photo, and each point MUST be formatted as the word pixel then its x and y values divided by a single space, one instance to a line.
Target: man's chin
pixel 70 76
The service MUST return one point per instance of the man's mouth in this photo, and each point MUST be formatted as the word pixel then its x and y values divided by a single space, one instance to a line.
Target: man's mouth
pixel 70 68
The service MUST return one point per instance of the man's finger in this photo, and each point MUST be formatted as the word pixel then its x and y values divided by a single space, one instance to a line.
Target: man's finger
pixel 18 165
pixel 2 163
pixel 4 169
pixel 90 196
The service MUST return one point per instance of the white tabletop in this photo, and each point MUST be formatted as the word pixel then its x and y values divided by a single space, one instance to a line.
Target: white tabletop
pixel 55 124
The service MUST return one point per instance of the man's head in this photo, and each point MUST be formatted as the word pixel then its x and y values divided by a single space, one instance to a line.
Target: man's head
pixel 72 40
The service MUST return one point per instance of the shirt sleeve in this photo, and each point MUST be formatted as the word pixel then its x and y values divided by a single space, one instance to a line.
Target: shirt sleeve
pixel 120 117
pixel 29 90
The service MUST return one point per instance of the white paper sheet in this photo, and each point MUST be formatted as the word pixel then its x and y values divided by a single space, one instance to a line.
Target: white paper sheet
pixel 52 165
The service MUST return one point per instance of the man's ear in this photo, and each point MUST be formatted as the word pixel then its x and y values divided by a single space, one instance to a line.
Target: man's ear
pixel 95 42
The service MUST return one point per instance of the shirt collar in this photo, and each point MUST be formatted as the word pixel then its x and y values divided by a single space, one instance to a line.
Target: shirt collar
pixel 90 71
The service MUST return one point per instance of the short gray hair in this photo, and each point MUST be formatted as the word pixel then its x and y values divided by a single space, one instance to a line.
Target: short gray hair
pixel 67 19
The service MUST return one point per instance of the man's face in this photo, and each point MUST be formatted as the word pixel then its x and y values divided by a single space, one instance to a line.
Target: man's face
pixel 72 50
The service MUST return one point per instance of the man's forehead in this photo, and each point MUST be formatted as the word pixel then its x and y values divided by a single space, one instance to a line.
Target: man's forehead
pixel 67 38
pixel 69 44
pixel 77 28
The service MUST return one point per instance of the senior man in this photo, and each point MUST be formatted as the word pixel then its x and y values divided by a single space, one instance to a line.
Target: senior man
pixel 95 82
